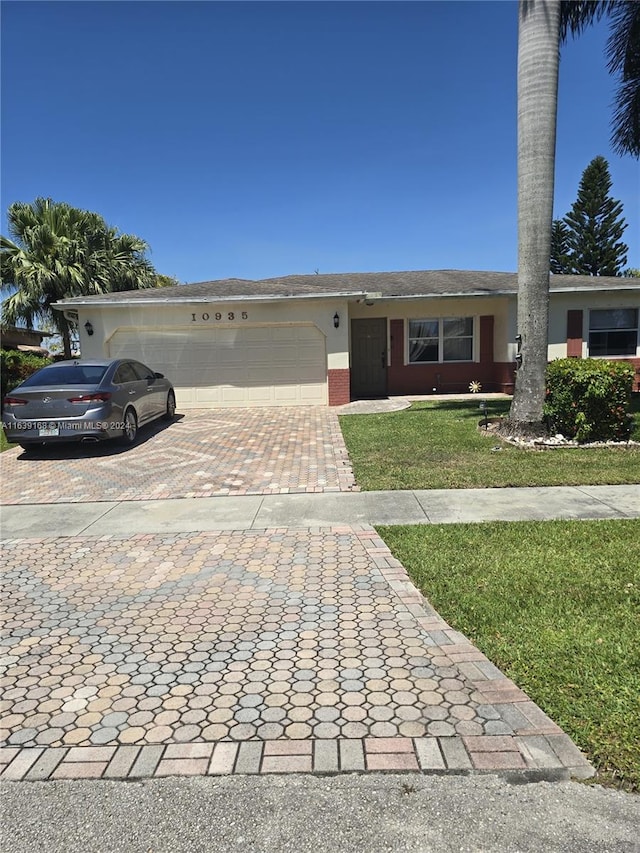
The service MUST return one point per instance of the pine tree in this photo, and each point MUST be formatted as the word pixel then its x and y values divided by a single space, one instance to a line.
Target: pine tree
pixel 595 225
pixel 560 258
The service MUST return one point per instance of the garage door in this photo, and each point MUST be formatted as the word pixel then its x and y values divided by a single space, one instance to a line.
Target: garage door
pixel 248 366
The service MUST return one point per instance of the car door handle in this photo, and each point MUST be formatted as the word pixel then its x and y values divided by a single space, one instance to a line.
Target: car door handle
pixel 131 393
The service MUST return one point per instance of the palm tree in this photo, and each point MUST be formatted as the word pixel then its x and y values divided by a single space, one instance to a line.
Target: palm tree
pixel 58 251
pixel 543 24
pixel 538 56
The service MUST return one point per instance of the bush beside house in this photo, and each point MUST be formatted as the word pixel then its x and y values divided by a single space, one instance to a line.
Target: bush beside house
pixel 16 366
pixel 589 399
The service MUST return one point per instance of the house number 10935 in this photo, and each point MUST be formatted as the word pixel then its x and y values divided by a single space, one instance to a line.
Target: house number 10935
pixel 229 315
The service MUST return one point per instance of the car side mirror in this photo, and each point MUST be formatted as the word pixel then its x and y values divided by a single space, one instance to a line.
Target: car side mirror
pixel 159 375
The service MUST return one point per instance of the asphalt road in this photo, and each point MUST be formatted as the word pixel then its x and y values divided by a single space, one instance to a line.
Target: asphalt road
pixel 368 814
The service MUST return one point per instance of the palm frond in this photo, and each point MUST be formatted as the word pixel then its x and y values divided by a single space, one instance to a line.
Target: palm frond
pixel 58 251
pixel 623 52
pixel 576 15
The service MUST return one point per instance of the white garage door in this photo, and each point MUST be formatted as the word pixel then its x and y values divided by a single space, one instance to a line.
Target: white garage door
pixel 248 366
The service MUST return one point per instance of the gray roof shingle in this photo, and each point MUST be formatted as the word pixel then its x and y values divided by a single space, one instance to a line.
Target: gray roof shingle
pixel 404 284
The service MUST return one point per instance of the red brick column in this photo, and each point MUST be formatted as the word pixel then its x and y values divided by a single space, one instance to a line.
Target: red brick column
pixel 398 376
pixel 486 339
pixel 574 334
pixel 339 390
pixel 396 328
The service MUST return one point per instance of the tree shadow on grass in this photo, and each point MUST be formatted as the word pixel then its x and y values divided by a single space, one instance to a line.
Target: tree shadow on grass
pixel 466 408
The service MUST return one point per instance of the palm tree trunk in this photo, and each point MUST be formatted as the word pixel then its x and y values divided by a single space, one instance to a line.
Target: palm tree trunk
pixel 65 333
pixel 538 54
pixel 66 342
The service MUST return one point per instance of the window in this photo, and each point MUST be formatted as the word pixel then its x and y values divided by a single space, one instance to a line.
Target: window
pixel 67 374
pixel 424 340
pixel 613 331
pixel 143 371
pixel 447 339
pixel 125 374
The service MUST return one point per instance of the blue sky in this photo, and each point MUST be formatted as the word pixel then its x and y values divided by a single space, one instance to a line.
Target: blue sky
pixel 259 139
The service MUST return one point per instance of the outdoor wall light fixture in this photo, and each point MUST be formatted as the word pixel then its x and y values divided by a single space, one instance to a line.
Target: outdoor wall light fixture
pixel 88 328
pixel 336 320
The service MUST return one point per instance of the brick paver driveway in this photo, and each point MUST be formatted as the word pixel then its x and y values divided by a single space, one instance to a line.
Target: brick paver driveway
pixel 236 652
pixel 255 651
pixel 203 453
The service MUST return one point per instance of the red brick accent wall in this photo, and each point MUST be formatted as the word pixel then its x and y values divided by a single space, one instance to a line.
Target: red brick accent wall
pixel 339 381
pixel 574 334
pixel 504 373
pixel 444 378
pixel 636 363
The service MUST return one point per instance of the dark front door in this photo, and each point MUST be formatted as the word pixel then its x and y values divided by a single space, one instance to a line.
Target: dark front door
pixel 369 357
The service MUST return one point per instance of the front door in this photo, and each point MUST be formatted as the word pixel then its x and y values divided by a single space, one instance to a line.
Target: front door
pixel 369 358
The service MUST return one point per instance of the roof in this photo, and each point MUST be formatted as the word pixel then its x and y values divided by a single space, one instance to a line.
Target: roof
pixel 385 285
pixel 33 349
pixel 9 331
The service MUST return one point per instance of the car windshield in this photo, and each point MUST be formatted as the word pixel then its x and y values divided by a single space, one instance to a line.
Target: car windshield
pixel 67 374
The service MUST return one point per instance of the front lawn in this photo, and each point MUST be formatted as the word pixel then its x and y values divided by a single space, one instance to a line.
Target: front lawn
pixel 555 605
pixel 4 444
pixel 436 445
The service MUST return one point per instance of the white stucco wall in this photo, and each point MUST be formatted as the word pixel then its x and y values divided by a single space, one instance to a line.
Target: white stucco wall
pixel 106 320
pixel 561 303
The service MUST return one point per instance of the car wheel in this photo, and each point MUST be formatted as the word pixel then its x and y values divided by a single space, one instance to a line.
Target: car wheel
pixel 171 406
pixel 130 428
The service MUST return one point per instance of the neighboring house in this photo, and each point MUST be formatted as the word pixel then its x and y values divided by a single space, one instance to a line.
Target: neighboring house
pixel 317 339
pixel 26 340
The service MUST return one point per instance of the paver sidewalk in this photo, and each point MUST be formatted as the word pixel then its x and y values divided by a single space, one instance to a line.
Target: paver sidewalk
pixel 283 650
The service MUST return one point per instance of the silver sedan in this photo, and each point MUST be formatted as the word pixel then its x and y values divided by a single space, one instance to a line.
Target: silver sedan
pixel 88 400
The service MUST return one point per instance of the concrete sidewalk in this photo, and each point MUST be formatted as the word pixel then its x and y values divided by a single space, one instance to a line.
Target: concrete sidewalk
pixel 259 512
pixel 375 813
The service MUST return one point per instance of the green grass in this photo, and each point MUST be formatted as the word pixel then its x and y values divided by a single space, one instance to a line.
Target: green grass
pixel 437 445
pixel 4 444
pixel 555 605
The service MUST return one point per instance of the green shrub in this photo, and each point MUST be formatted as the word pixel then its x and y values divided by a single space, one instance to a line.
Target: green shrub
pixel 589 399
pixel 16 366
